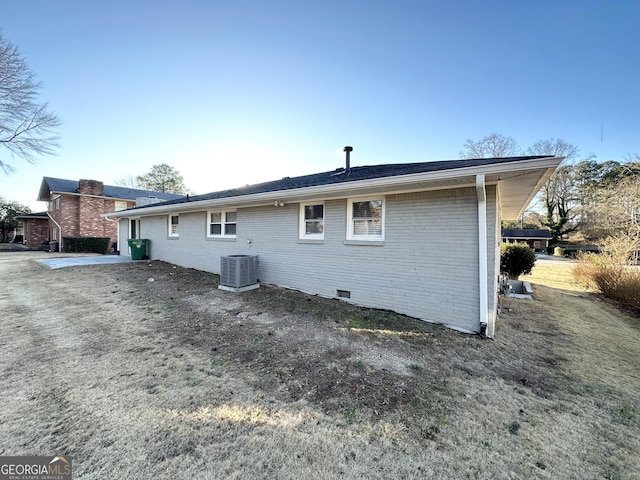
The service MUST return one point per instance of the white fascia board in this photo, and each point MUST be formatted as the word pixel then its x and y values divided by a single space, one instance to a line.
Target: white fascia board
pixel 342 189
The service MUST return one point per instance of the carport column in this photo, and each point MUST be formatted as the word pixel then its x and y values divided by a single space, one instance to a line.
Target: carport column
pixel 482 255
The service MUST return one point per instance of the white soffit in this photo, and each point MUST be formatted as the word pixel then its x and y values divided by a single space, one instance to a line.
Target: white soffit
pixel 517 191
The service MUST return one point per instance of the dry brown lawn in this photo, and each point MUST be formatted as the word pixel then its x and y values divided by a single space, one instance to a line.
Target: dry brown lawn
pixel 173 378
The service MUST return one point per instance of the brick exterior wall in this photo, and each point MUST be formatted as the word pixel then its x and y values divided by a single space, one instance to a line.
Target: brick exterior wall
pixel 80 215
pixel 91 187
pixel 427 267
pixel 36 231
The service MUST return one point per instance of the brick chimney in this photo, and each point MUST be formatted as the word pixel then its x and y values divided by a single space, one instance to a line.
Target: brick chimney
pixel 91 187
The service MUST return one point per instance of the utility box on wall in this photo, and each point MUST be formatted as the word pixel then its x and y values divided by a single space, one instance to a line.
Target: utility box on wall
pixel 239 273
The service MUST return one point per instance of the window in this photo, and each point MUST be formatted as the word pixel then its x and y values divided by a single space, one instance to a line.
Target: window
pixel 134 228
pixel 173 225
pixel 365 219
pixel 222 224
pixel 312 221
pixel 54 204
pixel 120 205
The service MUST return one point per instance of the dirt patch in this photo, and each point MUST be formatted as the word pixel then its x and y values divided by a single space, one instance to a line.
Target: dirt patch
pixel 149 370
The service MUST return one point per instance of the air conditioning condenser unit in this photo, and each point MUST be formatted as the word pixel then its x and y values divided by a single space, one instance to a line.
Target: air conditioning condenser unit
pixel 239 272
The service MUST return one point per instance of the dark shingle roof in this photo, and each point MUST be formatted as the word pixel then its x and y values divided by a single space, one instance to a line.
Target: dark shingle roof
pixel 125 193
pixel 34 215
pixel 355 174
pixel 525 233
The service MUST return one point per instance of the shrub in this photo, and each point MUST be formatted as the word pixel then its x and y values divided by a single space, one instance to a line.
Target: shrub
pixel 609 272
pixel 86 245
pixel 516 259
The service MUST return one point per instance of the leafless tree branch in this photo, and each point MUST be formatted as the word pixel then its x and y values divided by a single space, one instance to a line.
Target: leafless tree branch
pixel 26 126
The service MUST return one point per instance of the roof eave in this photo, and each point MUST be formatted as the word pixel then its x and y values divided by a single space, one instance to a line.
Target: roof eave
pixel 353 188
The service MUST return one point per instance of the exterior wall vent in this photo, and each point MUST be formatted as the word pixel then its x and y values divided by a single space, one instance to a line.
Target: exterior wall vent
pixel 239 272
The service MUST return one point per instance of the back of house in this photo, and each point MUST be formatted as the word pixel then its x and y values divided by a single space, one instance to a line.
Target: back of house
pixel 420 239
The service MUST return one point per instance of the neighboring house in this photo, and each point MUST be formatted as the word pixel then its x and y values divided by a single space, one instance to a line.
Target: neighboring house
pixel 537 239
pixel 75 209
pixel 421 239
pixel 35 228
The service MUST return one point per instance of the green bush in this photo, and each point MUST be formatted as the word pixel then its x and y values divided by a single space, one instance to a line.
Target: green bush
pixel 85 245
pixel 516 259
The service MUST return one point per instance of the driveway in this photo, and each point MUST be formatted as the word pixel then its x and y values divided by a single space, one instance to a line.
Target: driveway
pixel 545 259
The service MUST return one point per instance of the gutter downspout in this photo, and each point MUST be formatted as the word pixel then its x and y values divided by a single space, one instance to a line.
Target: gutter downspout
pixel 482 253
pixel 59 231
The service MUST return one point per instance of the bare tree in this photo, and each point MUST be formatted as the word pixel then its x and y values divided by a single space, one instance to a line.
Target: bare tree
pixel 560 202
pixel 128 181
pixel 619 208
pixel 491 146
pixel 555 148
pixel 26 126
pixel 559 195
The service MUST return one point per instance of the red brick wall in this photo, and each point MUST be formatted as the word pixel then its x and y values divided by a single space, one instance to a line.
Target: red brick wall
pixel 66 216
pixel 91 224
pixel 80 215
pixel 36 231
pixel 91 187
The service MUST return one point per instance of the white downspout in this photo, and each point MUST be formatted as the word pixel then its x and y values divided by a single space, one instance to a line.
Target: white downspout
pixel 59 231
pixel 482 253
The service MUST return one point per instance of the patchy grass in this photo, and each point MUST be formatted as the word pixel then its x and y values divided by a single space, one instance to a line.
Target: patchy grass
pixel 176 379
pixel 558 275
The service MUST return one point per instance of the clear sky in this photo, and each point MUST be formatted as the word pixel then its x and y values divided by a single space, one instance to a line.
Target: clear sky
pixel 232 92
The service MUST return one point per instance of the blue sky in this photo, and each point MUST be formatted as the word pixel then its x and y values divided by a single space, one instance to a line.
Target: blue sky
pixel 232 92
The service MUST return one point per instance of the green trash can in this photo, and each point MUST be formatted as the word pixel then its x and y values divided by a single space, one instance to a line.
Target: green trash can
pixel 138 248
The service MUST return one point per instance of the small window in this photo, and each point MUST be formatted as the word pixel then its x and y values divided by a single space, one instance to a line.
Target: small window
pixel 312 221
pixel 134 228
pixel 54 204
pixel 120 205
pixel 173 225
pixel 365 219
pixel 222 224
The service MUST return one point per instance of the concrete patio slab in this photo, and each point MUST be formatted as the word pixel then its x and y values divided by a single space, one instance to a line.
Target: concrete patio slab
pixel 62 262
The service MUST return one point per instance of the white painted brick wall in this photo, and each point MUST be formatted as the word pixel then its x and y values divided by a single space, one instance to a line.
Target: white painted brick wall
pixel 426 268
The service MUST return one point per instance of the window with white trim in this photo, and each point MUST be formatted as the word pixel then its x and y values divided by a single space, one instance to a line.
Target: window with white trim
pixel 173 225
pixel 312 221
pixel 54 204
pixel 221 224
pixel 365 219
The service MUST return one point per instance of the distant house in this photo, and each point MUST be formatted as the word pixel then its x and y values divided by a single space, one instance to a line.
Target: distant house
pixel 421 239
pixel 75 209
pixel 537 239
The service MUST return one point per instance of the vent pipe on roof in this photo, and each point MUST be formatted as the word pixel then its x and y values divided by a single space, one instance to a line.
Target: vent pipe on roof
pixel 348 151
